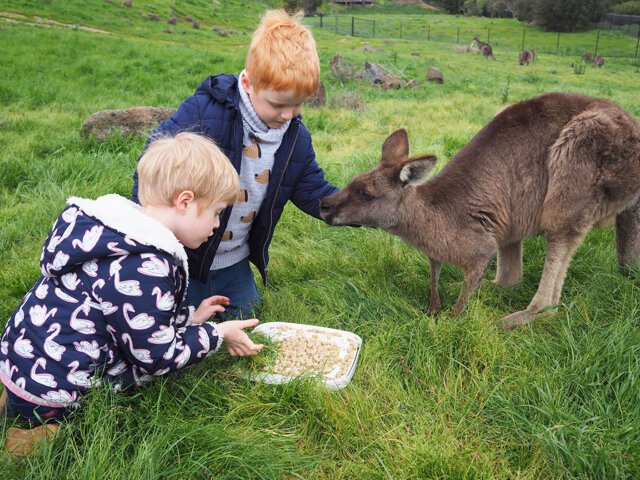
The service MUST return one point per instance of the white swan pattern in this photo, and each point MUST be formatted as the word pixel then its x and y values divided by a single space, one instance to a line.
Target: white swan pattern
pixel 139 354
pixel 39 314
pixel 89 239
pixel 52 348
pixel 142 321
pixel 42 378
pixel 164 301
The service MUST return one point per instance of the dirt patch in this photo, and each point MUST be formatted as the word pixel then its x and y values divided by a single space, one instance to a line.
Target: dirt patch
pixel 17 18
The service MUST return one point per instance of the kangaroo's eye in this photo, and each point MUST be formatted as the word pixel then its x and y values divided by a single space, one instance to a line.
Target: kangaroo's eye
pixel 366 196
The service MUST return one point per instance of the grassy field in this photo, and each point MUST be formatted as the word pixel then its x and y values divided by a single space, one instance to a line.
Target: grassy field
pixel 446 398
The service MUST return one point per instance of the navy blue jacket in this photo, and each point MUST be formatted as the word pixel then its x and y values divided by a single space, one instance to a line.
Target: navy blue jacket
pixel 214 111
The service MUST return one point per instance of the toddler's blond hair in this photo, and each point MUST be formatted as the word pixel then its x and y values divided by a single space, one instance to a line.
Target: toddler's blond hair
pixel 282 55
pixel 187 161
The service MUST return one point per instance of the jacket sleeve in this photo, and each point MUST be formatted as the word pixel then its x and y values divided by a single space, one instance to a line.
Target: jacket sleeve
pixel 312 186
pixel 187 117
pixel 145 324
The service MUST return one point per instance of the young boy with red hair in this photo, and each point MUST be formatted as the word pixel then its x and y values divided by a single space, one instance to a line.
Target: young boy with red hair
pixel 255 119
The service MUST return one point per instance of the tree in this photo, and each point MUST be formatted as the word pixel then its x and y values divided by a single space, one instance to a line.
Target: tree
pixel 308 6
pixel 569 15
pixel 452 6
pixel 627 8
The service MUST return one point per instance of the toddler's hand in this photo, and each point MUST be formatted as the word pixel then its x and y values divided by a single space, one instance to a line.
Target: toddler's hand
pixel 236 340
pixel 208 308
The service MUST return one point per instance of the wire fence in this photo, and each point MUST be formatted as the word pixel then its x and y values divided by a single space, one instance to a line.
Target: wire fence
pixel 609 39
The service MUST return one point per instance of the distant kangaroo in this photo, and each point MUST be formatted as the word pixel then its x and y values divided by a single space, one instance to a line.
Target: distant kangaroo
pixel 527 56
pixel 598 61
pixel 588 57
pixel 554 165
pixel 486 49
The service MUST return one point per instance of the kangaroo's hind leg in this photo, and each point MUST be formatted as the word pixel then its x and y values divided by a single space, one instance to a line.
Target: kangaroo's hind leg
pixel 559 253
pixel 628 235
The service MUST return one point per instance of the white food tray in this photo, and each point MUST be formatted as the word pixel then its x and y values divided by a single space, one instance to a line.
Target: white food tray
pixel 341 338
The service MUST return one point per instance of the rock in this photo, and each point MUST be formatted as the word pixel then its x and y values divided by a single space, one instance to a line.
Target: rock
pixel 378 75
pixel 130 121
pixel 374 73
pixel 435 75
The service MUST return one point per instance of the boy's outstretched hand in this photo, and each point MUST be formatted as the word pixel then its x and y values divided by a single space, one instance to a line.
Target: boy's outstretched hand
pixel 208 308
pixel 236 340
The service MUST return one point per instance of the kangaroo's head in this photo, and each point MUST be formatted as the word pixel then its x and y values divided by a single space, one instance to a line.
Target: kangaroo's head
pixel 373 199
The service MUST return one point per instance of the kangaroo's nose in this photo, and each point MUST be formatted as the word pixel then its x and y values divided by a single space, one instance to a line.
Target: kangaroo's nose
pixel 324 208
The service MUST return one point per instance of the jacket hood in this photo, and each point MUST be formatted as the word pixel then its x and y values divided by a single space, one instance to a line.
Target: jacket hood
pixel 223 87
pixel 107 226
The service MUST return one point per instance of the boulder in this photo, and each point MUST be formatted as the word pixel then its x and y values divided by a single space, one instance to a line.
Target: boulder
pixel 129 121
pixel 435 75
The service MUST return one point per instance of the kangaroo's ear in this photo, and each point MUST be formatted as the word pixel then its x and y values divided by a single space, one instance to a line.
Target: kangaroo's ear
pixel 416 170
pixel 395 149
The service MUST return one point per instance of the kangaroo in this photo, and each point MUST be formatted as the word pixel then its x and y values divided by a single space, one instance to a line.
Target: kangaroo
pixel 587 57
pixel 486 49
pixel 554 165
pixel 598 61
pixel 525 57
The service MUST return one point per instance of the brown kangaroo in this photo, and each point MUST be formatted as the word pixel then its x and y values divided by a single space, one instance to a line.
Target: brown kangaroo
pixel 486 49
pixel 554 165
pixel 527 56
pixel 588 57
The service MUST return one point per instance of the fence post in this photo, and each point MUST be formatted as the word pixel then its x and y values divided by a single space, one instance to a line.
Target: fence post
pixel 558 43
pixel 353 24
pixel 429 35
pixel 336 24
pixel 458 36
pixel 400 30
pixel 374 29
pixel 524 33
pixel 488 35
pixel 597 40
pixel 320 20
pixel 638 42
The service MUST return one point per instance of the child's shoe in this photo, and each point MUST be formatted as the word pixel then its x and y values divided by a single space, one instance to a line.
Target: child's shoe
pixel 22 442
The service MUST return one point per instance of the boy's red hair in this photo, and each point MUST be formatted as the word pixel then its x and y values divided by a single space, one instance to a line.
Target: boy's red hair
pixel 282 55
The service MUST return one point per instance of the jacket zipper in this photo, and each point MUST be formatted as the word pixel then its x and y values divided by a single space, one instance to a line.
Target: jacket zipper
pixel 275 196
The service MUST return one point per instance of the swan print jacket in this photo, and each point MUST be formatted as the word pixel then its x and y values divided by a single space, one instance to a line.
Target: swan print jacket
pixel 108 307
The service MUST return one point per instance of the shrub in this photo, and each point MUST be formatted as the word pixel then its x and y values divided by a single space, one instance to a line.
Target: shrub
pixel 348 101
pixel 579 67
pixel 627 8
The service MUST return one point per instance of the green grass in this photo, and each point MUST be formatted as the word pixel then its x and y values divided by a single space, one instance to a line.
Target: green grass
pixel 446 398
